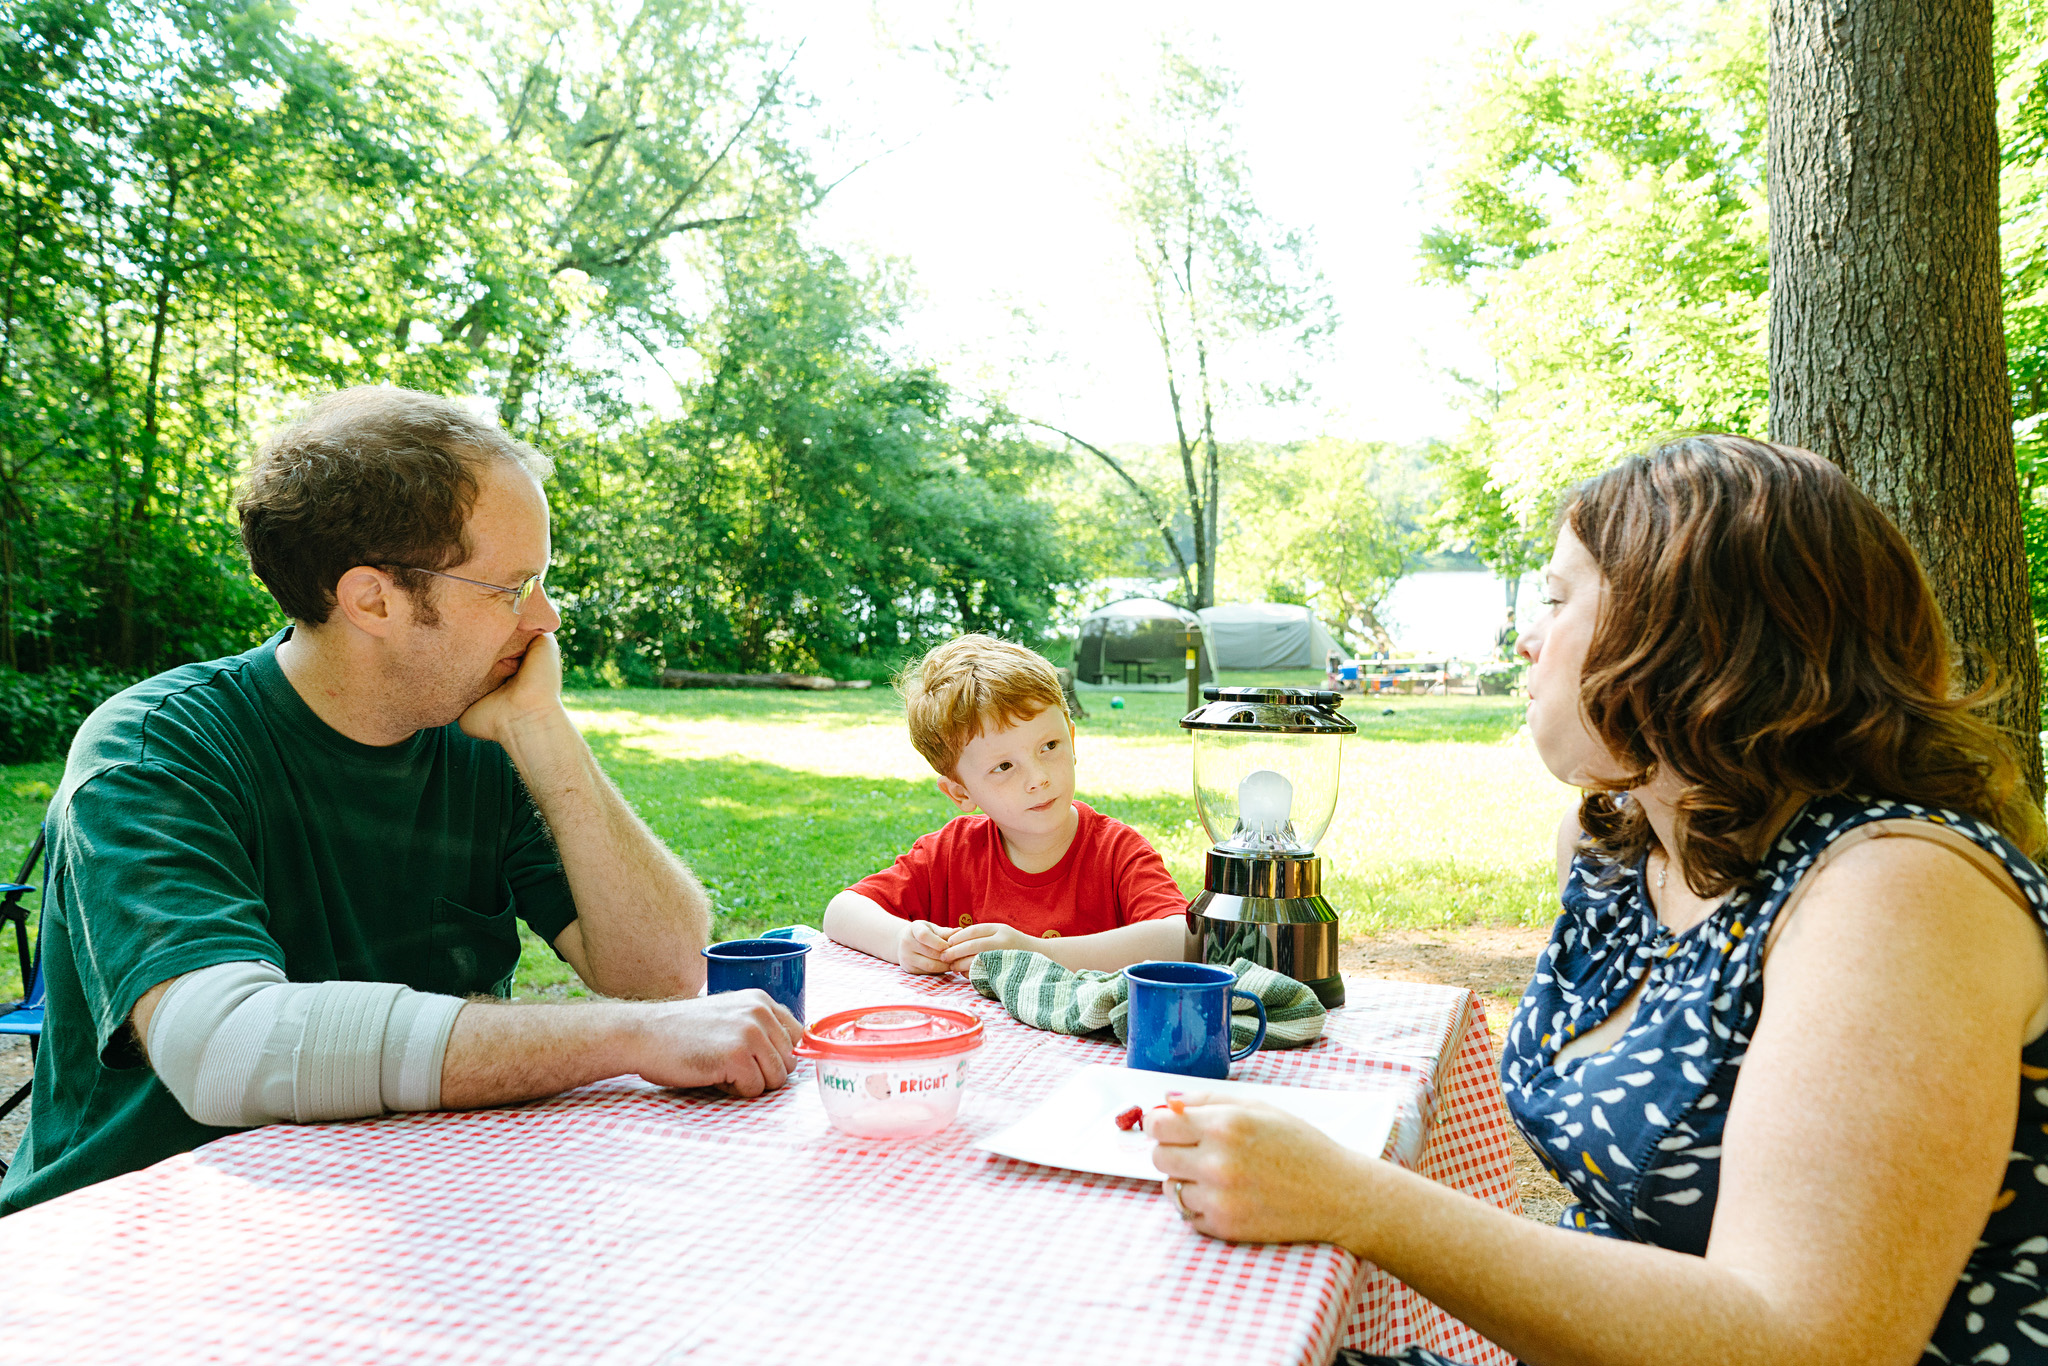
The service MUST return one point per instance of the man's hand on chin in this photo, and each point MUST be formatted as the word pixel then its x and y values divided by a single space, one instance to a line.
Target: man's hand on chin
pixel 532 693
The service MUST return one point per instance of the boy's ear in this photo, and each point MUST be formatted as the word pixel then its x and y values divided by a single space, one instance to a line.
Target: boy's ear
pixel 956 794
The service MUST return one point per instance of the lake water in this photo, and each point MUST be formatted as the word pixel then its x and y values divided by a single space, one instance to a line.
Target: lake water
pixel 1453 612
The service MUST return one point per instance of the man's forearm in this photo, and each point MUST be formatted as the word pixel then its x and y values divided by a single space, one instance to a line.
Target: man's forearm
pixel 641 916
pixel 499 1054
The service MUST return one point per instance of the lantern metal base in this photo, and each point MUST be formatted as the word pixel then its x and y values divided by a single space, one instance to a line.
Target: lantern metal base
pixel 1269 910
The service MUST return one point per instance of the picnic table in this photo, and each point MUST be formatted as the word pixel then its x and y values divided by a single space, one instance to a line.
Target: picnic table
pixel 623 1223
pixel 1404 675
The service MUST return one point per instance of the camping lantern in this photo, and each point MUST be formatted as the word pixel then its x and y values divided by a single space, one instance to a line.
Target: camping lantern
pixel 1266 768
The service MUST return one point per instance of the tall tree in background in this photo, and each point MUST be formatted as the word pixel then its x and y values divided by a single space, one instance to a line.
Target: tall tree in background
pixel 1887 353
pixel 818 505
pixel 210 214
pixel 1603 210
pixel 201 211
pixel 1333 524
pixel 1472 515
pixel 1231 297
pixel 618 131
pixel 1603 205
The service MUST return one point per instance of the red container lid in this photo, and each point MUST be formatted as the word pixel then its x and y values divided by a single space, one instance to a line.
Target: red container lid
pixel 876 1033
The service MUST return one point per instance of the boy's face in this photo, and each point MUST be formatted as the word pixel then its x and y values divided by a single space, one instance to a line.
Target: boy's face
pixel 1022 776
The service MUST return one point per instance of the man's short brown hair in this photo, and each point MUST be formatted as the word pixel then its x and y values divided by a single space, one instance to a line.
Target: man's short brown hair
pixel 369 476
pixel 970 686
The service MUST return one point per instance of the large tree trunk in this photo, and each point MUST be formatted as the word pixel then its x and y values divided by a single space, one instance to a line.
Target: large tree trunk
pixel 1887 343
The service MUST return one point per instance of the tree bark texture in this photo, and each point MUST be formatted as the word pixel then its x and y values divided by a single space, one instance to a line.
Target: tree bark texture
pixel 1887 346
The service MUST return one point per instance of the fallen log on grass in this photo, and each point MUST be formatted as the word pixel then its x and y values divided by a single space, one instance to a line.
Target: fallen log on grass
pixel 686 678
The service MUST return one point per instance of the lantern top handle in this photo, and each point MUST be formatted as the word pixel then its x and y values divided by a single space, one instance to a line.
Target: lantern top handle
pixel 1274 711
pixel 1277 697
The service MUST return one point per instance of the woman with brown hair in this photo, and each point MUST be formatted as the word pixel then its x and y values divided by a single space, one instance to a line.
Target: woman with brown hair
pixel 1786 1046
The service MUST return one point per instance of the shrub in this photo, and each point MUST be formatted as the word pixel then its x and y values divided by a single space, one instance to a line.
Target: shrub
pixel 39 713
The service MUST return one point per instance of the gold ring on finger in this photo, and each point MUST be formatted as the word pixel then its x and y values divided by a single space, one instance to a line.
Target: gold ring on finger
pixel 1173 1188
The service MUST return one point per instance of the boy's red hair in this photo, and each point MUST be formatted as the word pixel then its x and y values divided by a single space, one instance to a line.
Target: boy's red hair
pixel 969 686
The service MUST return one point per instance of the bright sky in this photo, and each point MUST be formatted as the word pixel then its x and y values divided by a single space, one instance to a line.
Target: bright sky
pixel 998 206
pixel 1025 281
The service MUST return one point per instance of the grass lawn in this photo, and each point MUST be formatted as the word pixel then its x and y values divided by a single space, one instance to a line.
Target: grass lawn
pixel 779 799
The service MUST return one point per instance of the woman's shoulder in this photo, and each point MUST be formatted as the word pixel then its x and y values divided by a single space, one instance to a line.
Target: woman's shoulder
pixel 1590 882
pixel 1568 833
pixel 1831 829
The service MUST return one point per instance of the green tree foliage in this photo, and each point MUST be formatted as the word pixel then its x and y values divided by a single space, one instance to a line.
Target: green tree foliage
pixel 616 132
pixel 1604 208
pixel 1473 515
pixel 2023 197
pixel 1329 523
pixel 1605 211
pixel 198 219
pixel 210 216
pixel 1231 296
pixel 819 506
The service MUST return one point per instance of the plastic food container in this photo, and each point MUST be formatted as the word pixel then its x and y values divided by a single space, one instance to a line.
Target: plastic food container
pixel 891 1071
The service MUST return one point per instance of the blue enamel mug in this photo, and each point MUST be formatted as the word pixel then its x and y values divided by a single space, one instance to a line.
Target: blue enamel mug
pixel 776 966
pixel 1180 1019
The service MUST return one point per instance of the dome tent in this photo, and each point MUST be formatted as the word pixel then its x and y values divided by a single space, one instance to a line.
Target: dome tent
pixel 1267 635
pixel 1138 643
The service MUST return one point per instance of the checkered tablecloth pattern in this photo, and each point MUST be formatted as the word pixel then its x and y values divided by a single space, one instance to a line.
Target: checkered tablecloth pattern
pixel 627 1224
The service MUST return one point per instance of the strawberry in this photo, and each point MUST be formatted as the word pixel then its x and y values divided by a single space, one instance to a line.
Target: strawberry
pixel 1131 1118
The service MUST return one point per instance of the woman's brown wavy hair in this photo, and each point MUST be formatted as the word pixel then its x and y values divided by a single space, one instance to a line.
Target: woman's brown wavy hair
pixel 1768 633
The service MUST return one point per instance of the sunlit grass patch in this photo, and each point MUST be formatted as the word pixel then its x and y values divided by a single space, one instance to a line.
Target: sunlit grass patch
pixel 1422 893
pixel 1446 815
pixel 777 800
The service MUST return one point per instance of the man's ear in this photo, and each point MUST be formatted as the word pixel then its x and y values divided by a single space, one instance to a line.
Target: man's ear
pixel 367 599
pixel 956 794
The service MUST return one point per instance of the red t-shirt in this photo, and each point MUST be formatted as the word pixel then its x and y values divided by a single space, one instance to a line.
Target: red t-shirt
pixel 960 874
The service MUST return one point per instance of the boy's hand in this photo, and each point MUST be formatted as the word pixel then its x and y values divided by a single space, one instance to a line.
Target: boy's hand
pixel 972 939
pixel 921 947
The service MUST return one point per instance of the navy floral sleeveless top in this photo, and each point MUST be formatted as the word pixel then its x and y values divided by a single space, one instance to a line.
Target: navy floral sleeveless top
pixel 1635 1132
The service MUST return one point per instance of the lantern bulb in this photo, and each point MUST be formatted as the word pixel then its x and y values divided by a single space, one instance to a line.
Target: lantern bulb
pixel 1265 802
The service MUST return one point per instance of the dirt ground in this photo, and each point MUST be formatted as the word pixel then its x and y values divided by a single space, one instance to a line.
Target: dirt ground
pixel 1494 962
pixel 1497 963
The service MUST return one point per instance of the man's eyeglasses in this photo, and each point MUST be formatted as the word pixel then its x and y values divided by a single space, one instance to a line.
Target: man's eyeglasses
pixel 520 592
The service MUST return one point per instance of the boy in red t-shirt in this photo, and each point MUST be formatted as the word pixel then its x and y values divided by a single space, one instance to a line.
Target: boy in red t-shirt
pixel 1039 870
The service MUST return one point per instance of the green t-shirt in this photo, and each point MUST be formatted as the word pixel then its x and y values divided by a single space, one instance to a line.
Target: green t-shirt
pixel 208 816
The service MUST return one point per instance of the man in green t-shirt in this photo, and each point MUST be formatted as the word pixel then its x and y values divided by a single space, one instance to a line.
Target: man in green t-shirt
pixel 282 886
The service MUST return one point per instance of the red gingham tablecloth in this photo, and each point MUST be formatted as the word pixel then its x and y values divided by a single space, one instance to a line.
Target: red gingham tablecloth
pixel 627 1224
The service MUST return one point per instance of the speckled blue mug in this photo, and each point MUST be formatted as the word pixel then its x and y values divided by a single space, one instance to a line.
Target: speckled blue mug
pixel 1180 1019
pixel 776 966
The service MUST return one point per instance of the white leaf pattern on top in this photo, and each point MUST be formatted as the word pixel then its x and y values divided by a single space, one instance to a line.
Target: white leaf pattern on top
pixel 1699 1005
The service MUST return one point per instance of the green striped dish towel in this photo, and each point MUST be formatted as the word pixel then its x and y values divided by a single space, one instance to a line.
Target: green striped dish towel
pixel 1045 995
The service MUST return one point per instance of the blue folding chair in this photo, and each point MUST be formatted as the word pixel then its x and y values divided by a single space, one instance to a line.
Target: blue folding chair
pixel 24 1017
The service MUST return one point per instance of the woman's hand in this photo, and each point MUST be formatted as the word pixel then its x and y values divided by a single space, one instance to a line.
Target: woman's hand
pixel 1252 1174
